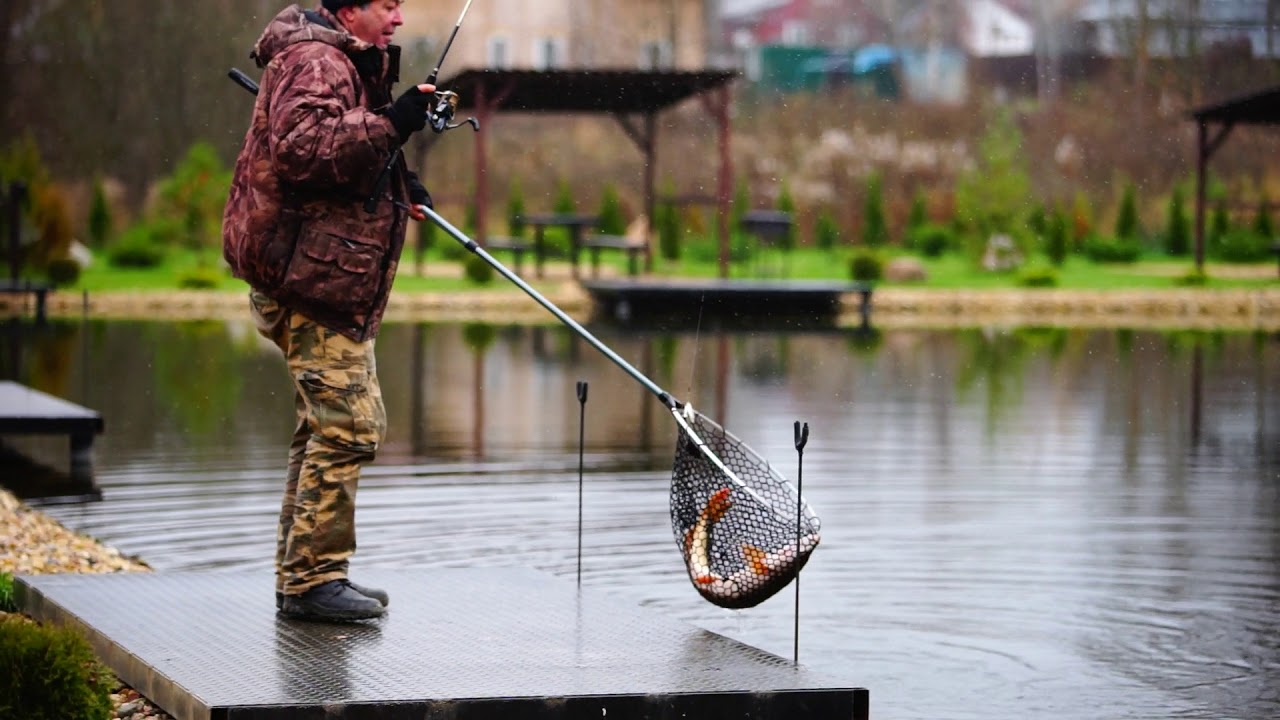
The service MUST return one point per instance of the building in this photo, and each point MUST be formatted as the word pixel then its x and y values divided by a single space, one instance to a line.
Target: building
pixel 564 34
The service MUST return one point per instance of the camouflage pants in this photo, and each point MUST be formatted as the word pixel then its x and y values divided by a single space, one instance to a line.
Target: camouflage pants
pixel 341 421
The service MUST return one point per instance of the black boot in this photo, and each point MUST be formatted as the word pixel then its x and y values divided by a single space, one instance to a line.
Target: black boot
pixel 379 595
pixel 334 600
pixel 374 593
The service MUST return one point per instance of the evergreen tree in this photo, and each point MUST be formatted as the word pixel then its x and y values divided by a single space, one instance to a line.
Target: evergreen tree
pixel 787 205
pixel 918 216
pixel 515 210
pixel 1127 227
pixel 564 203
pixel 100 221
pixel 611 219
pixel 1220 222
pixel 1055 235
pixel 1262 226
pixel 826 231
pixel 875 231
pixel 1177 236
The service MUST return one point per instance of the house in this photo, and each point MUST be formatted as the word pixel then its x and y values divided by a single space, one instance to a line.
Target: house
pixel 1174 28
pixel 831 24
pixel 563 34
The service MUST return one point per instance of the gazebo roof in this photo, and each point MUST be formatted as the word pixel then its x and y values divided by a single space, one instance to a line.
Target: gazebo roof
pixel 570 91
pixel 1259 108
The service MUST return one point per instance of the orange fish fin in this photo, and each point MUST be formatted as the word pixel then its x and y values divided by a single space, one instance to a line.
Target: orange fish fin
pixel 756 559
pixel 719 504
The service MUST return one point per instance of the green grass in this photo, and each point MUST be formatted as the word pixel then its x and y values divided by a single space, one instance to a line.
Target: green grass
pixel 952 271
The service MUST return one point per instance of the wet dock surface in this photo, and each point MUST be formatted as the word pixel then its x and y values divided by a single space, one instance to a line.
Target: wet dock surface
pixel 456 643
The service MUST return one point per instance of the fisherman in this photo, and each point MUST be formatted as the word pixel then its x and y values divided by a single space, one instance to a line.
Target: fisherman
pixel 320 267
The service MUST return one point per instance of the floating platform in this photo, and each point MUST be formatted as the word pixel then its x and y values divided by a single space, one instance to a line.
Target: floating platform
pixel 24 411
pixel 462 644
pixel 724 302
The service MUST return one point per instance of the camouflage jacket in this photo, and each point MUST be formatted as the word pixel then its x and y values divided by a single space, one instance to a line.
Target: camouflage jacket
pixel 295 226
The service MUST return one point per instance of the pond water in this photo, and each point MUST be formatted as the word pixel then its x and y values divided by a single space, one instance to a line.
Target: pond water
pixel 1016 523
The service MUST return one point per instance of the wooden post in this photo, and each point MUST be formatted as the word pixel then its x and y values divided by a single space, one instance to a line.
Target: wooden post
pixel 1202 161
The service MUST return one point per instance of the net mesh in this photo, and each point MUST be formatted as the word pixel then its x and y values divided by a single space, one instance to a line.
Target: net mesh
pixel 734 516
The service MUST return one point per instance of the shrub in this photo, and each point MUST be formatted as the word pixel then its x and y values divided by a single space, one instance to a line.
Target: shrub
pixel 451 250
pixel 63 272
pixel 826 233
pixel 1038 276
pixel 866 267
pixel 195 194
pixel 136 249
pixel 478 270
pixel 51 672
pixel 1112 250
pixel 1240 245
pixel 200 278
pixel 1193 278
pixel 6 593
pixel 932 240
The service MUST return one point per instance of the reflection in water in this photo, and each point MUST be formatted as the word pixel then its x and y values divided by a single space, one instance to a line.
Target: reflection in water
pixel 1013 522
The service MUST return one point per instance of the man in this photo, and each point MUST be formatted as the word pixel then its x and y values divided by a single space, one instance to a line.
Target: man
pixel 321 267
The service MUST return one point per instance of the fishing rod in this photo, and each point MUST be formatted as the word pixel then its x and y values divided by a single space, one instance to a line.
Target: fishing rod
pixel 438 118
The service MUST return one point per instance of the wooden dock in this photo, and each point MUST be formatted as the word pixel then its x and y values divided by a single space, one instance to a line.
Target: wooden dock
pixel 459 643
pixel 730 303
pixel 24 411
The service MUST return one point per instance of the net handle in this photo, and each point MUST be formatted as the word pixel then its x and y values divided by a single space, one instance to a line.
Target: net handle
pixel 666 398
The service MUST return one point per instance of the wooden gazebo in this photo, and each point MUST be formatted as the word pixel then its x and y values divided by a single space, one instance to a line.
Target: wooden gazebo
pixel 1259 108
pixel 633 97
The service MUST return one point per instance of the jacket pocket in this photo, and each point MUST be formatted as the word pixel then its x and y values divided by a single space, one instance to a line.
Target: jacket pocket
pixel 339 273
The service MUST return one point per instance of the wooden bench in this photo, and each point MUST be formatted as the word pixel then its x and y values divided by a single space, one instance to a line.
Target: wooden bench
pixel 22 287
pixel 517 246
pixel 596 243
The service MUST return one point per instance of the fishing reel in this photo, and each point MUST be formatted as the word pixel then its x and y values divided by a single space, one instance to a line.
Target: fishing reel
pixel 446 105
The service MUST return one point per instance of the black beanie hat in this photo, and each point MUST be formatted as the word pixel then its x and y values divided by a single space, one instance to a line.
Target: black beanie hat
pixel 333 5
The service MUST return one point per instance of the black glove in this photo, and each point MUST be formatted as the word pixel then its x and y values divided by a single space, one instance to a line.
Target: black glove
pixel 409 112
pixel 418 194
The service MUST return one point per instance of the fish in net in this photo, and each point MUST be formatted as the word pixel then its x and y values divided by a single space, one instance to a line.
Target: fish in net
pixel 742 528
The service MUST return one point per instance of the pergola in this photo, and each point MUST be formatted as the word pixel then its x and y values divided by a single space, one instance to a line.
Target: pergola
pixel 633 97
pixel 1260 108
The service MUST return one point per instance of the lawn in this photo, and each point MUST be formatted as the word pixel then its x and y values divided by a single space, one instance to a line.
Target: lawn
pixel 953 271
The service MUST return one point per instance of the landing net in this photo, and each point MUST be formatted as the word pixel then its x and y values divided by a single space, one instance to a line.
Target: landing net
pixel 734 516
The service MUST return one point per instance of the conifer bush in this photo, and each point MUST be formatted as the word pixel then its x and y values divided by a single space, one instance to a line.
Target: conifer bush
pixel 50 673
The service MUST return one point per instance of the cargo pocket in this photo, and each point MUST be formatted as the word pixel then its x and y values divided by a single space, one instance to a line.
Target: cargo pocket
pixel 341 408
pixel 339 273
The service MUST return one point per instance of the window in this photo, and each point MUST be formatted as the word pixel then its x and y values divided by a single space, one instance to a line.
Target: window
pixel 548 54
pixel 656 55
pixel 499 54
pixel 795 32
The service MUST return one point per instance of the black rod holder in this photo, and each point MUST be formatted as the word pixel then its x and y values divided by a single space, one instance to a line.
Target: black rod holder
pixel 582 425
pixel 802 439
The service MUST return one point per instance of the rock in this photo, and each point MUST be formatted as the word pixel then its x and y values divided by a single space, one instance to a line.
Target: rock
pixel 905 269
pixel 128 708
pixel 1001 255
